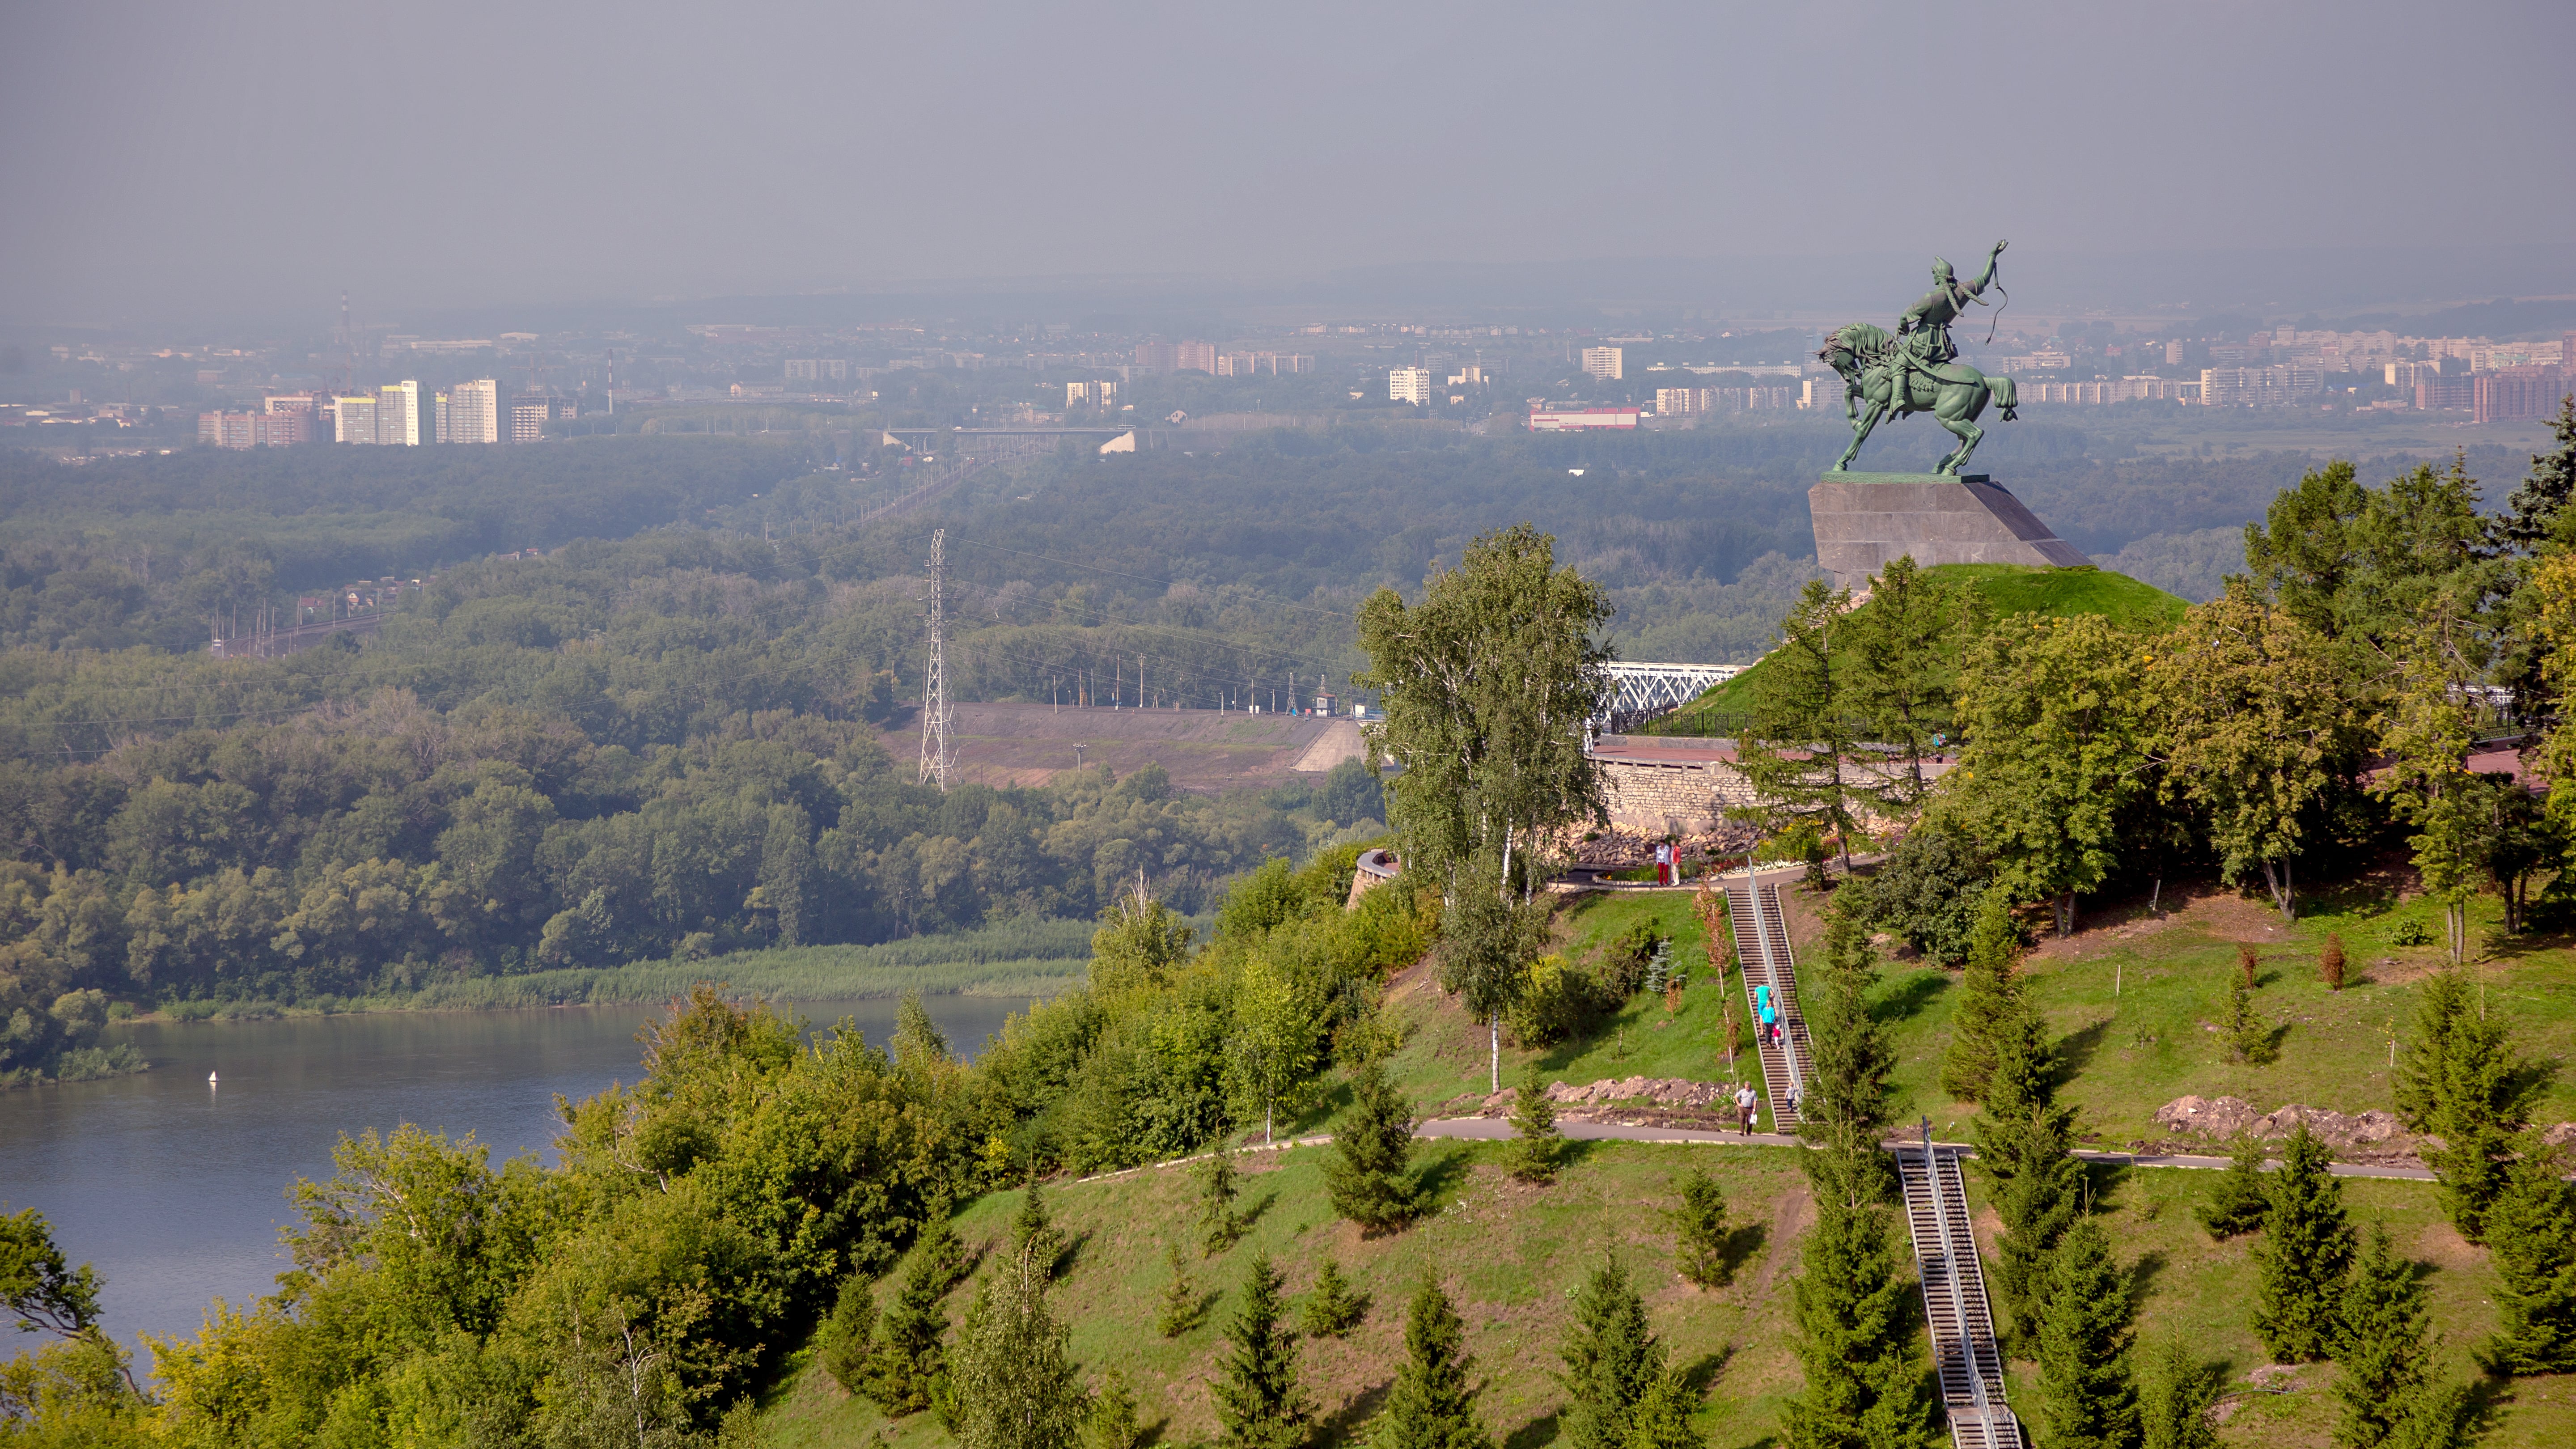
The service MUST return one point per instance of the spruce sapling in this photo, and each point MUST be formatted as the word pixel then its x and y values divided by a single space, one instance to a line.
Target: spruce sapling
pixel 1432 1403
pixel 1034 1237
pixel 1258 1400
pixel 1113 1414
pixel 846 1334
pixel 1367 1177
pixel 1611 1359
pixel 1536 1143
pixel 1180 1297
pixel 2084 1341
pixel 1332 1308
pixel 2303 1256
pixel 2175 1397
pixel 2330 962
pixel 2238 1204
pixel 1219 1223
pixel 1699 1230
pixel 2531 1241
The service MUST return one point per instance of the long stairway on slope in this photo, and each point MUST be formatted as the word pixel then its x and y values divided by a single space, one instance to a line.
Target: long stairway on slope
pixel 1762 945
pixel 1954 1298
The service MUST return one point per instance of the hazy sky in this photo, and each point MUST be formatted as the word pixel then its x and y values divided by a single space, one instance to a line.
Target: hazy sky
pixel 168 160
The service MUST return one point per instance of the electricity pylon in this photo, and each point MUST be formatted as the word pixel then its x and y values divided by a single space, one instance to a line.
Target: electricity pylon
pixel 936 755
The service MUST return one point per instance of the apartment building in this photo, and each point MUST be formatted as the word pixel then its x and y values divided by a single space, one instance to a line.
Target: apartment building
pixel 1605 362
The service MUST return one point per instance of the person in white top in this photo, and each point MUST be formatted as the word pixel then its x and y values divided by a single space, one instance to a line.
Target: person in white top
pixel 1744 1103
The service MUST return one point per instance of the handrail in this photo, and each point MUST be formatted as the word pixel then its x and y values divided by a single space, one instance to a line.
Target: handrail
pixel 1958 1297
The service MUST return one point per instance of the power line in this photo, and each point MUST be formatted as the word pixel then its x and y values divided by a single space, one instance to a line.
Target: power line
pixel 935 753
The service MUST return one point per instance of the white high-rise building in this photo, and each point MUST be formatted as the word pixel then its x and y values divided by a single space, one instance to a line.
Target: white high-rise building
pixel 1409 385
pixel 354 419
pixel 474 412
pixel 1605 362
pixel 398 414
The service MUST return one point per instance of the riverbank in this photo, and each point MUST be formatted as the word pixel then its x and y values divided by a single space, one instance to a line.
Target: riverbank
pixel 1016 959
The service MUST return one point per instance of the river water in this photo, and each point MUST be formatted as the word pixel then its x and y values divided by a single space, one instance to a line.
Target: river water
pixel 175 1189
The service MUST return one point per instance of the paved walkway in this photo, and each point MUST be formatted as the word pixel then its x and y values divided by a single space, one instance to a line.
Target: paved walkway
pixel 1495 1129
pixel 1491 1128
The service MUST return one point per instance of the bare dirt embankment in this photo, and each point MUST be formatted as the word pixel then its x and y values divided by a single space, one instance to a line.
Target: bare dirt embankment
pixel 1204 750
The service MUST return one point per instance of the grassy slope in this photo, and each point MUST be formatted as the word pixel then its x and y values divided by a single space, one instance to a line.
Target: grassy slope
pixel 2009 589
pixel 1510 1253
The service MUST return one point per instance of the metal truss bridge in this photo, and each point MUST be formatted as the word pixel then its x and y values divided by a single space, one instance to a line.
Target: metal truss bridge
pixel 1650 689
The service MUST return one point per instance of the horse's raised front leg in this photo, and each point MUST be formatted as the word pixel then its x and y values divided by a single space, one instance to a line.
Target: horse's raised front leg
pixel 1860 434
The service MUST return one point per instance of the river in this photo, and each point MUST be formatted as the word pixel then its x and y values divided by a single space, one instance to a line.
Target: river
pixel 175 1189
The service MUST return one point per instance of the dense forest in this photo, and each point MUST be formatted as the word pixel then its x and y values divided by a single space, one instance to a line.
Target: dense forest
pixel 661 740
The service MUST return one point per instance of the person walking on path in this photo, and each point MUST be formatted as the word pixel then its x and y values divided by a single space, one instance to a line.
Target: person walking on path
pixel 1744 1103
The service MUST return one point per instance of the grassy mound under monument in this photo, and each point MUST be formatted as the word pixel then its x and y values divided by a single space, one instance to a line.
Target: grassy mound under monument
pixel 2000 590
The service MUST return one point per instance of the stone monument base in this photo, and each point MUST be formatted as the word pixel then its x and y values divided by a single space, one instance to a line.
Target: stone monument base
pixel 1865 521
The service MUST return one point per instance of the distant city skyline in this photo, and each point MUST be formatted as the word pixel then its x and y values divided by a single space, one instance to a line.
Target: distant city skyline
pixel 715 154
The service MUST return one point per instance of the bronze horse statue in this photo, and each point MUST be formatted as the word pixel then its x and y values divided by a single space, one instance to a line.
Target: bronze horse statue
pixel 1867 358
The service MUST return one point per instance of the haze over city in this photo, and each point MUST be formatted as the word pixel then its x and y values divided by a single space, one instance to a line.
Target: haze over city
pixel 244 163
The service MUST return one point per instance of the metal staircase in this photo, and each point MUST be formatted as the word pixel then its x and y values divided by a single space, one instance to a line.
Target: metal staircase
pixel 1762 944
pixel 1954 1298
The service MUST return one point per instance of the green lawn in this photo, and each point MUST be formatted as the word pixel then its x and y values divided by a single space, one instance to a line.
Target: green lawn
pixel 2130 1008
pixel 1510 1255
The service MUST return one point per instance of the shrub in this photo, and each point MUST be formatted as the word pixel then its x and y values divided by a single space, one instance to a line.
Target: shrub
pixel 2330 962
pixel 1624 960
pixel 2246 961
pixel 1554 1005
pixel 1333 1308
pixel 1926 892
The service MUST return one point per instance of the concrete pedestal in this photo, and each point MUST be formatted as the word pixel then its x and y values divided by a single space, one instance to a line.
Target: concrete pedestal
pixel 1865 521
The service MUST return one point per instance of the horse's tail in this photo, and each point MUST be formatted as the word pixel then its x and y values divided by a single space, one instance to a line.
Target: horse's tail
pixel 2006 397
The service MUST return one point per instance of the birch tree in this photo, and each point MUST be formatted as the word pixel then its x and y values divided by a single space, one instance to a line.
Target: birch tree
pixel 1486 683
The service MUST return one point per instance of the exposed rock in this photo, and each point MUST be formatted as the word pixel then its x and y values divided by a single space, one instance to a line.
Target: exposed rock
pixel 2368 1136
pixel 2560 1135
pixel 1659 1091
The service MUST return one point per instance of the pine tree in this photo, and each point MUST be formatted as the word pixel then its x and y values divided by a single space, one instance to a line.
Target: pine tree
pixel 1113 1414
pixel 1034 1237
pixel 2240 1202
pixel 2531 1239
pixel 2539 503
pixel 1180 1297
pixel 1846 1100
pixel 909 1359
pixel 2483 1099
pixel 1012 1383
pixel 1432 1404
pixel 2175 1399
pixel 2423 1069
pixel 1536 1144
pixel 1866 1375
pixel 1258 1399
pixel 2023 1146
pixel 1367 1177
pixel 2084 1340
pixel 2380 1346
pixel 845 1344
pixel 2303 1257
pixel 1699 1230
pixel 2247 1034
pixel 1611 1358
pixel 1989 993
pixel 1332 1308
pixel 1662 1418
pixel 1219 1223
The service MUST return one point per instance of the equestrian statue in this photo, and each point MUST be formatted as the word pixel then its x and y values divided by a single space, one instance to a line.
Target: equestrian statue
pixel 1917 368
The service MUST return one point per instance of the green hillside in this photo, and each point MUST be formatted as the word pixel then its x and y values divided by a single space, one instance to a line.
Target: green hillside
pixel 2002 589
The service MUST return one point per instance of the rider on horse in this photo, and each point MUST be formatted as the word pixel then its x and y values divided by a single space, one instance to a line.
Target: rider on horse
pixel 1924 330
